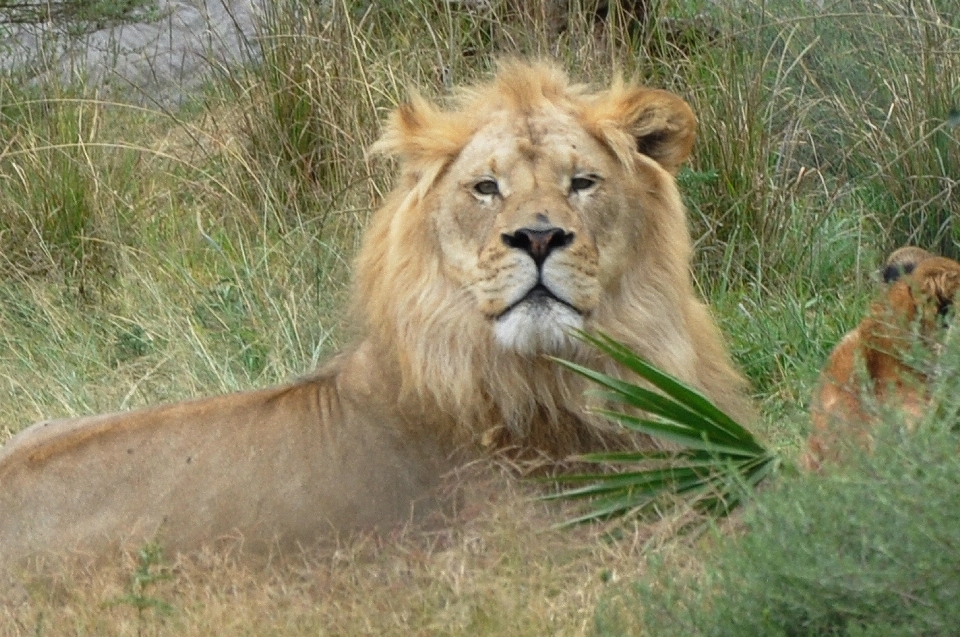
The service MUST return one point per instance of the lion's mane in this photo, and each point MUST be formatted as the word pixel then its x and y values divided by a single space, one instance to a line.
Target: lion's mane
pixel 444 356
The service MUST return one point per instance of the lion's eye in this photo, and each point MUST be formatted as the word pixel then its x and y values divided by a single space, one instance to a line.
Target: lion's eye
pixel 486 187
pixel 585 182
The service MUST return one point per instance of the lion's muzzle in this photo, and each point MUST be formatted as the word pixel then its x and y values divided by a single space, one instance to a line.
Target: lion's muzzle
pixel 540 317
pixel 539 244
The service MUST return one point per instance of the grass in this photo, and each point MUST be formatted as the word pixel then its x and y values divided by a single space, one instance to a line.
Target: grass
pixel 498 569
pixel 76 16
pixel 150 255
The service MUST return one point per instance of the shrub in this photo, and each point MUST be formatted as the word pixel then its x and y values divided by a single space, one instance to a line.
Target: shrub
pixel 867 549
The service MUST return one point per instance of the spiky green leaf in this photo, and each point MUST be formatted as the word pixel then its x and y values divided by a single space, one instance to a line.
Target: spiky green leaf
pixel 714 466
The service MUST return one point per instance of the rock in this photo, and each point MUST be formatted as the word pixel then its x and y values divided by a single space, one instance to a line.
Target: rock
pixel 159 61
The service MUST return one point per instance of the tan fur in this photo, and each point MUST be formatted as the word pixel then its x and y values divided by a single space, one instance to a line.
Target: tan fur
pixel 870 363
pixel 452 356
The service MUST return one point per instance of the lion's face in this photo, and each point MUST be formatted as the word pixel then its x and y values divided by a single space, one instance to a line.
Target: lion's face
pixel 538 198
pixel 524 215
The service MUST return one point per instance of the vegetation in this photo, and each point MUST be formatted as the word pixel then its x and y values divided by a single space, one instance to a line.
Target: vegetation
pixel 76 16
pixel 867 549
pixel 711 463
pixel 149 255
pixel 144 577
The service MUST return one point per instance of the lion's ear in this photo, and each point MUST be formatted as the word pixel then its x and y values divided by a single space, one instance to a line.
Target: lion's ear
pixel 660 124
pixel 420 133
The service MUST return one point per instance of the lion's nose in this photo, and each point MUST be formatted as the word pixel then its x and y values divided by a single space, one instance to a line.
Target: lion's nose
pixel 538 243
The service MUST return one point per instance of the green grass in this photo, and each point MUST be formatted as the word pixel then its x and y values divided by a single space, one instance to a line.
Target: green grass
pixel 77 16
pixel 149 256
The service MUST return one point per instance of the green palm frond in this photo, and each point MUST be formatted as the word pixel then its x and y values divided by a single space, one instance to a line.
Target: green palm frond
pixel 716 462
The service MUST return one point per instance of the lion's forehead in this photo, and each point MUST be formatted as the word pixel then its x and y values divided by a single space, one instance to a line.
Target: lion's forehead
pixel 548 140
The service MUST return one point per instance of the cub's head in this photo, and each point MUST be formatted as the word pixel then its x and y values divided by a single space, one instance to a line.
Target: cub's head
pixel 523 210
pixel 903 261
pixel 925 292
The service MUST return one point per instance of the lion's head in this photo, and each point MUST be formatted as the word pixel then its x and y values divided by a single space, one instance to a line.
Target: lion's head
pixel 533 209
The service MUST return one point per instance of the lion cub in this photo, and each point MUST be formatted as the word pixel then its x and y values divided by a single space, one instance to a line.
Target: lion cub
pixel 872 362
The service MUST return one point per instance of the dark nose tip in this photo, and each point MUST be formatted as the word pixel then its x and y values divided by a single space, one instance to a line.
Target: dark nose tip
pixel 538 243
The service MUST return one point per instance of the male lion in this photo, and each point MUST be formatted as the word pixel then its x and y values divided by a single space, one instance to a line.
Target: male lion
pixel 533 209
pixel 872 362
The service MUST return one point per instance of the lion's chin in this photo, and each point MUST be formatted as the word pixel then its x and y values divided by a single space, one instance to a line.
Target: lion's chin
pixel 538 327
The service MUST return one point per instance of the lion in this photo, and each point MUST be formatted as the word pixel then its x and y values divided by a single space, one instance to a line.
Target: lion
pixel 874 364
pixel 531 208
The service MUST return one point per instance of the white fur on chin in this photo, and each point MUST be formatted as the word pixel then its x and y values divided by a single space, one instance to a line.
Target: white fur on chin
pixel 538 327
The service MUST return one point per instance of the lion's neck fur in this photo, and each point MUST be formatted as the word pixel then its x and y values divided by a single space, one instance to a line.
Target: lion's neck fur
pixel 480 397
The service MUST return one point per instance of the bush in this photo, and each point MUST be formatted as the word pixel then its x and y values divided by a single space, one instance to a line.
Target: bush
pixel 868 549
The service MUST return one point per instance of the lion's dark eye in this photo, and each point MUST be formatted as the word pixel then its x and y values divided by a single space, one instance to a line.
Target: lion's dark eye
pixel 579 184
pixel 486 187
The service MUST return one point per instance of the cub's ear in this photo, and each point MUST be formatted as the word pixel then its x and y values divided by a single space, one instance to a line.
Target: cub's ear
pixel 654 123
pixel 419 133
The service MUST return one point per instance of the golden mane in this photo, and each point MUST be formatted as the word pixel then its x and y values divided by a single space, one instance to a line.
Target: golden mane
pixel 444 351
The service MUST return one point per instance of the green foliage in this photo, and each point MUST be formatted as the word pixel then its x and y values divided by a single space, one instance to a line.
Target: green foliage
pixel 149 571
pixel 70 183
pixel 769 332
pixel 806 113
pixel 717 462
pixel 753 167
pixel 132 342
pixel 865 549
pixel 295 150
pixel 47 187
pixel 225 311
pixel 897 139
